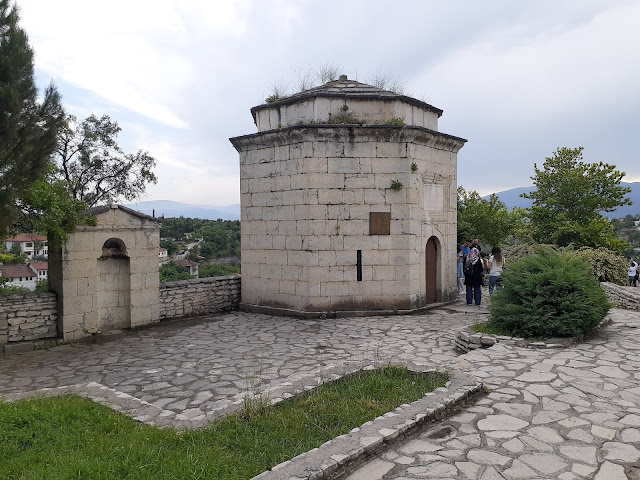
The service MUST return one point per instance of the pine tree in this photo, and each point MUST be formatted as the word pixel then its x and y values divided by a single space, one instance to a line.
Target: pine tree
pixel 28 129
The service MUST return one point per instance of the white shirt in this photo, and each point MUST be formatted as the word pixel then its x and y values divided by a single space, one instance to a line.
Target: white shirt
pixel 496 268
pixel 632 269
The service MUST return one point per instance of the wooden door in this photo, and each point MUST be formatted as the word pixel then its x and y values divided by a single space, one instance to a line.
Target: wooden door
pixel 431 256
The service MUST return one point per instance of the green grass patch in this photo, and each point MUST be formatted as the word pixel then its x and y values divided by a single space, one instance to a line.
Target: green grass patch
pixel 69 437
pixel 489 328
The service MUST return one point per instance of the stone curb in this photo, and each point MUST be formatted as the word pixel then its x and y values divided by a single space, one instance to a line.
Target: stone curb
pixel 467 340
pixel 343 452
pixel 286 312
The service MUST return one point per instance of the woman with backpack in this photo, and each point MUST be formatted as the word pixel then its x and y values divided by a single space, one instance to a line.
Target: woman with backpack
pixel 473 270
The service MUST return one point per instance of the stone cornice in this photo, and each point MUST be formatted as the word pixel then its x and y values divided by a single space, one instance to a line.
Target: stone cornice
pixel 348 132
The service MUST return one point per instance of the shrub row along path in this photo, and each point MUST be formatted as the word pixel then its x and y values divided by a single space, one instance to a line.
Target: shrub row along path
pixel 556 413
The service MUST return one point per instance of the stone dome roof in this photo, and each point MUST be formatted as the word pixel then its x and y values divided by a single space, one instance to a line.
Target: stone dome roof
pixel 371 104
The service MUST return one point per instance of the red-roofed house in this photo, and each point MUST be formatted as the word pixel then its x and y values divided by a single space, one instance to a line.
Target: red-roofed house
pixel 42 269
pixel 30 244
pixel 20 275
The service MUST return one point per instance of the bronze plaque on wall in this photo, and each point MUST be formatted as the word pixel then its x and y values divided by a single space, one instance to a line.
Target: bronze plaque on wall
pixel 379 223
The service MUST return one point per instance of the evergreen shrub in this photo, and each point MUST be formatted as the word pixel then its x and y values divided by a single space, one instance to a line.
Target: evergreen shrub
pixel 549 294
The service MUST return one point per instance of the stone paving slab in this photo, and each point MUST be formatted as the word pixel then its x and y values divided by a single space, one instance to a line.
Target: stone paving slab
pixel 184 373
pixel 551 414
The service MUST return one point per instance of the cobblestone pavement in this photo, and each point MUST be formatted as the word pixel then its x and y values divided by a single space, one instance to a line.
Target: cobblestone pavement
pixel 551 414
pixel 186 371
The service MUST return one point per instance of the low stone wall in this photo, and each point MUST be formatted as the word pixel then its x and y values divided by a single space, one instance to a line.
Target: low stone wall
pixel 199 295
pixel 623 296
pixel 27 316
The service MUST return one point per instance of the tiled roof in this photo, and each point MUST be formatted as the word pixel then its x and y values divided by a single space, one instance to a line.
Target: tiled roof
pixel 40 265
pixel 16 271
pixel 130 211
pixel 185 263
pixel 26 237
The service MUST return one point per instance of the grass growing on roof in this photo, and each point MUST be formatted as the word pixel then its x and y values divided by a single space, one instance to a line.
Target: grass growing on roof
pixel 69 437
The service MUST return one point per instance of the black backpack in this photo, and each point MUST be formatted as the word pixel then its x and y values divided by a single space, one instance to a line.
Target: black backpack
pixel 468 267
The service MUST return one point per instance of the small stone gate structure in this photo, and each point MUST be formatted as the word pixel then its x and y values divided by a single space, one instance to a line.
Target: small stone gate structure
pixel 106 276
pixel 348 201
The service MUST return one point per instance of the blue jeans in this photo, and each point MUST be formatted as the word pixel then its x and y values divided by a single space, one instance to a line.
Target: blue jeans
pixel 474 293
pixel 494 282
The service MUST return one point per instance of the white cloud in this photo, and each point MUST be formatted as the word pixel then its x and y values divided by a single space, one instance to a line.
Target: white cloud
pixel 516 79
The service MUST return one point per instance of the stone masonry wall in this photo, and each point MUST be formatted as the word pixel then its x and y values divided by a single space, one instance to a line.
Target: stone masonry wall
pixel 27 316
pixel 307 194
pixel 623 297
pixel 199 296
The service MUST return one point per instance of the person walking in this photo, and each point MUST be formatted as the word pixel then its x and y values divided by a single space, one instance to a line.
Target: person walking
pixel 460 270
pixel 633 270
pixel 495 265
pixel 465 248
pixel 473 270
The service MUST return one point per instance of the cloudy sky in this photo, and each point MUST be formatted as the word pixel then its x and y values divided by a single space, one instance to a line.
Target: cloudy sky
pixel 517 79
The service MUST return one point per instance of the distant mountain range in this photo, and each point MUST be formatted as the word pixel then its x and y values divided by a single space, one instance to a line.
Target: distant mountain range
pixel 511 199
pixel 167 208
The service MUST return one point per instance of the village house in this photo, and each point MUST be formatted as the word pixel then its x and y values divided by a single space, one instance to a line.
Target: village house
pixel 30 244
pixel 24 275
pixel 192 267
pixel 41 268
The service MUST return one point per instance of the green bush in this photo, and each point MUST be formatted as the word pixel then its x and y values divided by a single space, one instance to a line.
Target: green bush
pixel 11 289
pixel 513 253
pixel 605 265
pixel 549 294
pixel 170 272
pixel 42 285
pixel 217 270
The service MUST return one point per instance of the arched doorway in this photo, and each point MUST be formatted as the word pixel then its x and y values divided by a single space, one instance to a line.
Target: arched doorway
pixel 431 270
pixel 114 287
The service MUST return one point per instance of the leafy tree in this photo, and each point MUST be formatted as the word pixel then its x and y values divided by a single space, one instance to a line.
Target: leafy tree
pixel 94 166
pixel 170 272
pixel 10 259
pixel 15 249
pixel 570 197
pixel 170 245
pixel 28 129
pixel 488 220
pixel 48 207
